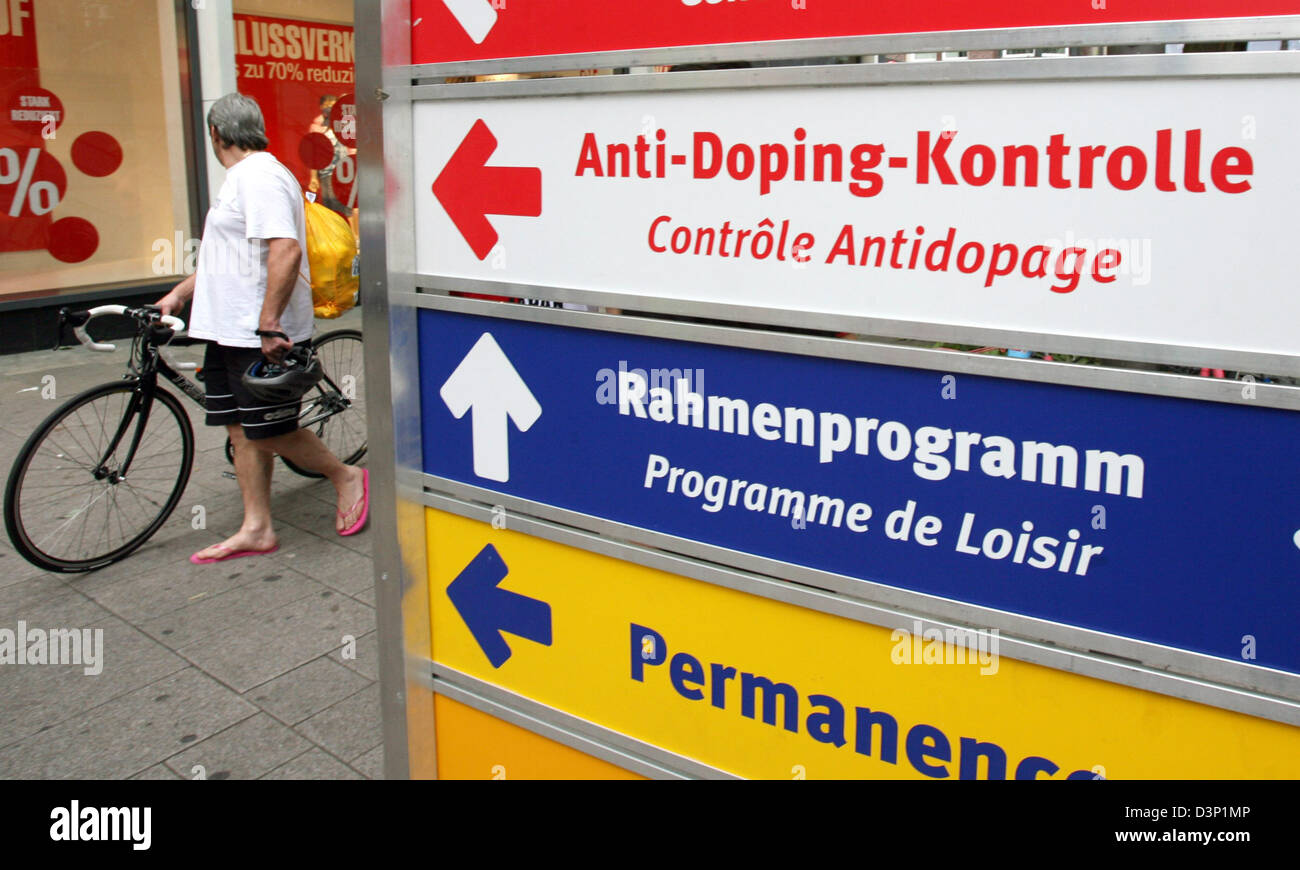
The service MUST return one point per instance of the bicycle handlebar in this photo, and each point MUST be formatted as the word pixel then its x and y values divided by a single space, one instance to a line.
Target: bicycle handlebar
pixel 174 323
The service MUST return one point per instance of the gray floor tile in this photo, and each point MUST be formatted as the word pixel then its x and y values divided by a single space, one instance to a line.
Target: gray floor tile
pixel 45 601
pixel 169 548
pixel 10 444
pixel 12 565
pixel 306 690
pixel 348 728
pixel 32 588
pixel 39 697
pixel 158 771
pixel 129 733
pixel 208 479
pixel 314 764
pixel 262 589
pixel 371 764
pixel 362 542
pixel 223 509
pixel 71 376
pixel 309 514
pixel 165 588
pixel 246 750
pixel 324 560
pixel 262 648
pixel 366 662
pixel 15 569
pixel 366 596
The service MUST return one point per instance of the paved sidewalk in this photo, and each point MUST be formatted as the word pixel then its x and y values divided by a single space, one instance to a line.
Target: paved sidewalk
pixel 236 670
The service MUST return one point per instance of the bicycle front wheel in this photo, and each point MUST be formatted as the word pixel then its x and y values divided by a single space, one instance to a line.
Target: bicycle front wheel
pixel 338 418
pixel 67 512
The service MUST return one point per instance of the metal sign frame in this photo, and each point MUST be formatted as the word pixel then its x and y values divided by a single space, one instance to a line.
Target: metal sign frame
pixel 1063 36
pixel 389 86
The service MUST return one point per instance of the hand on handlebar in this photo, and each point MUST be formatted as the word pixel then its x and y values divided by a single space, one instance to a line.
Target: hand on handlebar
pixel 169 304
pixel 174 302
pixel 82 319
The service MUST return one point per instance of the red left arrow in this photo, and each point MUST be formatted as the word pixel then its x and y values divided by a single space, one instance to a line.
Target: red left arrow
pixel 470 190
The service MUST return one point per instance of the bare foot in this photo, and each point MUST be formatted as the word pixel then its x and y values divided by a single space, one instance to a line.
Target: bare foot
pixel 241 541
pixel 350 499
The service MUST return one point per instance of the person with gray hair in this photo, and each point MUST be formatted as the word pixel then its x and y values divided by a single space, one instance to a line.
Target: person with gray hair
pixel 238 122
pixel 252 302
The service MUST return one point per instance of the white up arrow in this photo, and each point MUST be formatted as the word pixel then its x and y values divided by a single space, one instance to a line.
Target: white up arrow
pixel 486 381
pixel 478 17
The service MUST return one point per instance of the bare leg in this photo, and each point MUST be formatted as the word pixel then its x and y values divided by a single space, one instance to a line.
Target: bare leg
pixel 253 468
pixel 305 450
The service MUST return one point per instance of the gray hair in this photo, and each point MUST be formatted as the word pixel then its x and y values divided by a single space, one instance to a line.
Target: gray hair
pixel 238 121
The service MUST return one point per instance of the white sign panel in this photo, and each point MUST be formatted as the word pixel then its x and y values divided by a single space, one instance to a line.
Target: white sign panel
pixel 1157 211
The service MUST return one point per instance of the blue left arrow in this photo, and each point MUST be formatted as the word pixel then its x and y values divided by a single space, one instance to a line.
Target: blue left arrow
pixel 489 610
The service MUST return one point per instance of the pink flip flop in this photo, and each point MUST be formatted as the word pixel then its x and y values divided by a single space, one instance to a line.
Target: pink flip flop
pixel 231 554
pixel 365 507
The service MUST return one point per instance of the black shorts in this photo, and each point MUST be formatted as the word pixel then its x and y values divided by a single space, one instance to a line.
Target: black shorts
pixel 228 402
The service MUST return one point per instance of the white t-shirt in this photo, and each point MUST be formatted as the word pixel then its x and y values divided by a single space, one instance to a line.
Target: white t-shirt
pixel 259 200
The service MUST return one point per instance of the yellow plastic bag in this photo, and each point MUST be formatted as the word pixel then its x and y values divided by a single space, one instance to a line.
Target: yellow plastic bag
pixel 332 255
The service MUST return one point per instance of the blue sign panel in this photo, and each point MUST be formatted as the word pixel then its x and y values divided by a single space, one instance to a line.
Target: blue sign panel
pixel 1165 520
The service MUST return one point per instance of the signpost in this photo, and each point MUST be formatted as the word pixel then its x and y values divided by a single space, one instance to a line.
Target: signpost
pixel 731 518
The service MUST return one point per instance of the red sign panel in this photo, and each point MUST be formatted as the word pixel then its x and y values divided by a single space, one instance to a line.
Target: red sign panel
pixel 301 74
pixel 458 30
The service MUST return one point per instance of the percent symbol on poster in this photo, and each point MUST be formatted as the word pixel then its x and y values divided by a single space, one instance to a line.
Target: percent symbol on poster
pixel 40 197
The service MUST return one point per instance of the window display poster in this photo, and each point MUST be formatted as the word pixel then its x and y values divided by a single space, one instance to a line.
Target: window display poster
pixel 301 74
pixel 92 160
pixel 31 181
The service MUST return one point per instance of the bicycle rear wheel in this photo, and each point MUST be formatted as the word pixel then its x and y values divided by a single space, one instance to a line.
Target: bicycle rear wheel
pixel 63 516
pixel 342 355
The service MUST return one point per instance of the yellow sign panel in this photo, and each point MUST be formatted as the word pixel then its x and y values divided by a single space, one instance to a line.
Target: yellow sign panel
pixel 765 689
pixel 474 745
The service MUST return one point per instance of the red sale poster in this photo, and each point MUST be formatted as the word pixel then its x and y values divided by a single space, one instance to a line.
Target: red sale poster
pixel 301 74
pixel 33 182
pixel 26 170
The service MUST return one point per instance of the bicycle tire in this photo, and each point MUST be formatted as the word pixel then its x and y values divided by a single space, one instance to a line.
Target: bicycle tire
pixel 341 352
pixel 166 412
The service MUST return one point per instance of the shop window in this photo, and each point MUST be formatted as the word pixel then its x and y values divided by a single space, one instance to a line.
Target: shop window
pixel 93 172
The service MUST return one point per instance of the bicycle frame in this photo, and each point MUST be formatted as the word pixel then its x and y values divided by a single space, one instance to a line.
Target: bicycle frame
pixel 147 362
pixel 150 364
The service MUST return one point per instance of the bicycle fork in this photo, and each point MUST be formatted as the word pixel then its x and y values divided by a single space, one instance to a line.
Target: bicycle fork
pixel 138 408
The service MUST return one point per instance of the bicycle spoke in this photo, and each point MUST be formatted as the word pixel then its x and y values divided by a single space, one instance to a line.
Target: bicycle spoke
pixel 121 527
pixel 94 456
pixel 77 514
pixel 62 453
pixel 141 492
pixel 142 499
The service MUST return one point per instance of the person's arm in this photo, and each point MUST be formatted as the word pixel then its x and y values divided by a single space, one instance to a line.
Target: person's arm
pixel 174 302
pixel 282 260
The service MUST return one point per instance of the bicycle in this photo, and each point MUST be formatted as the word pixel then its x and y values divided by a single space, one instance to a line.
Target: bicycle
pixel 101 474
